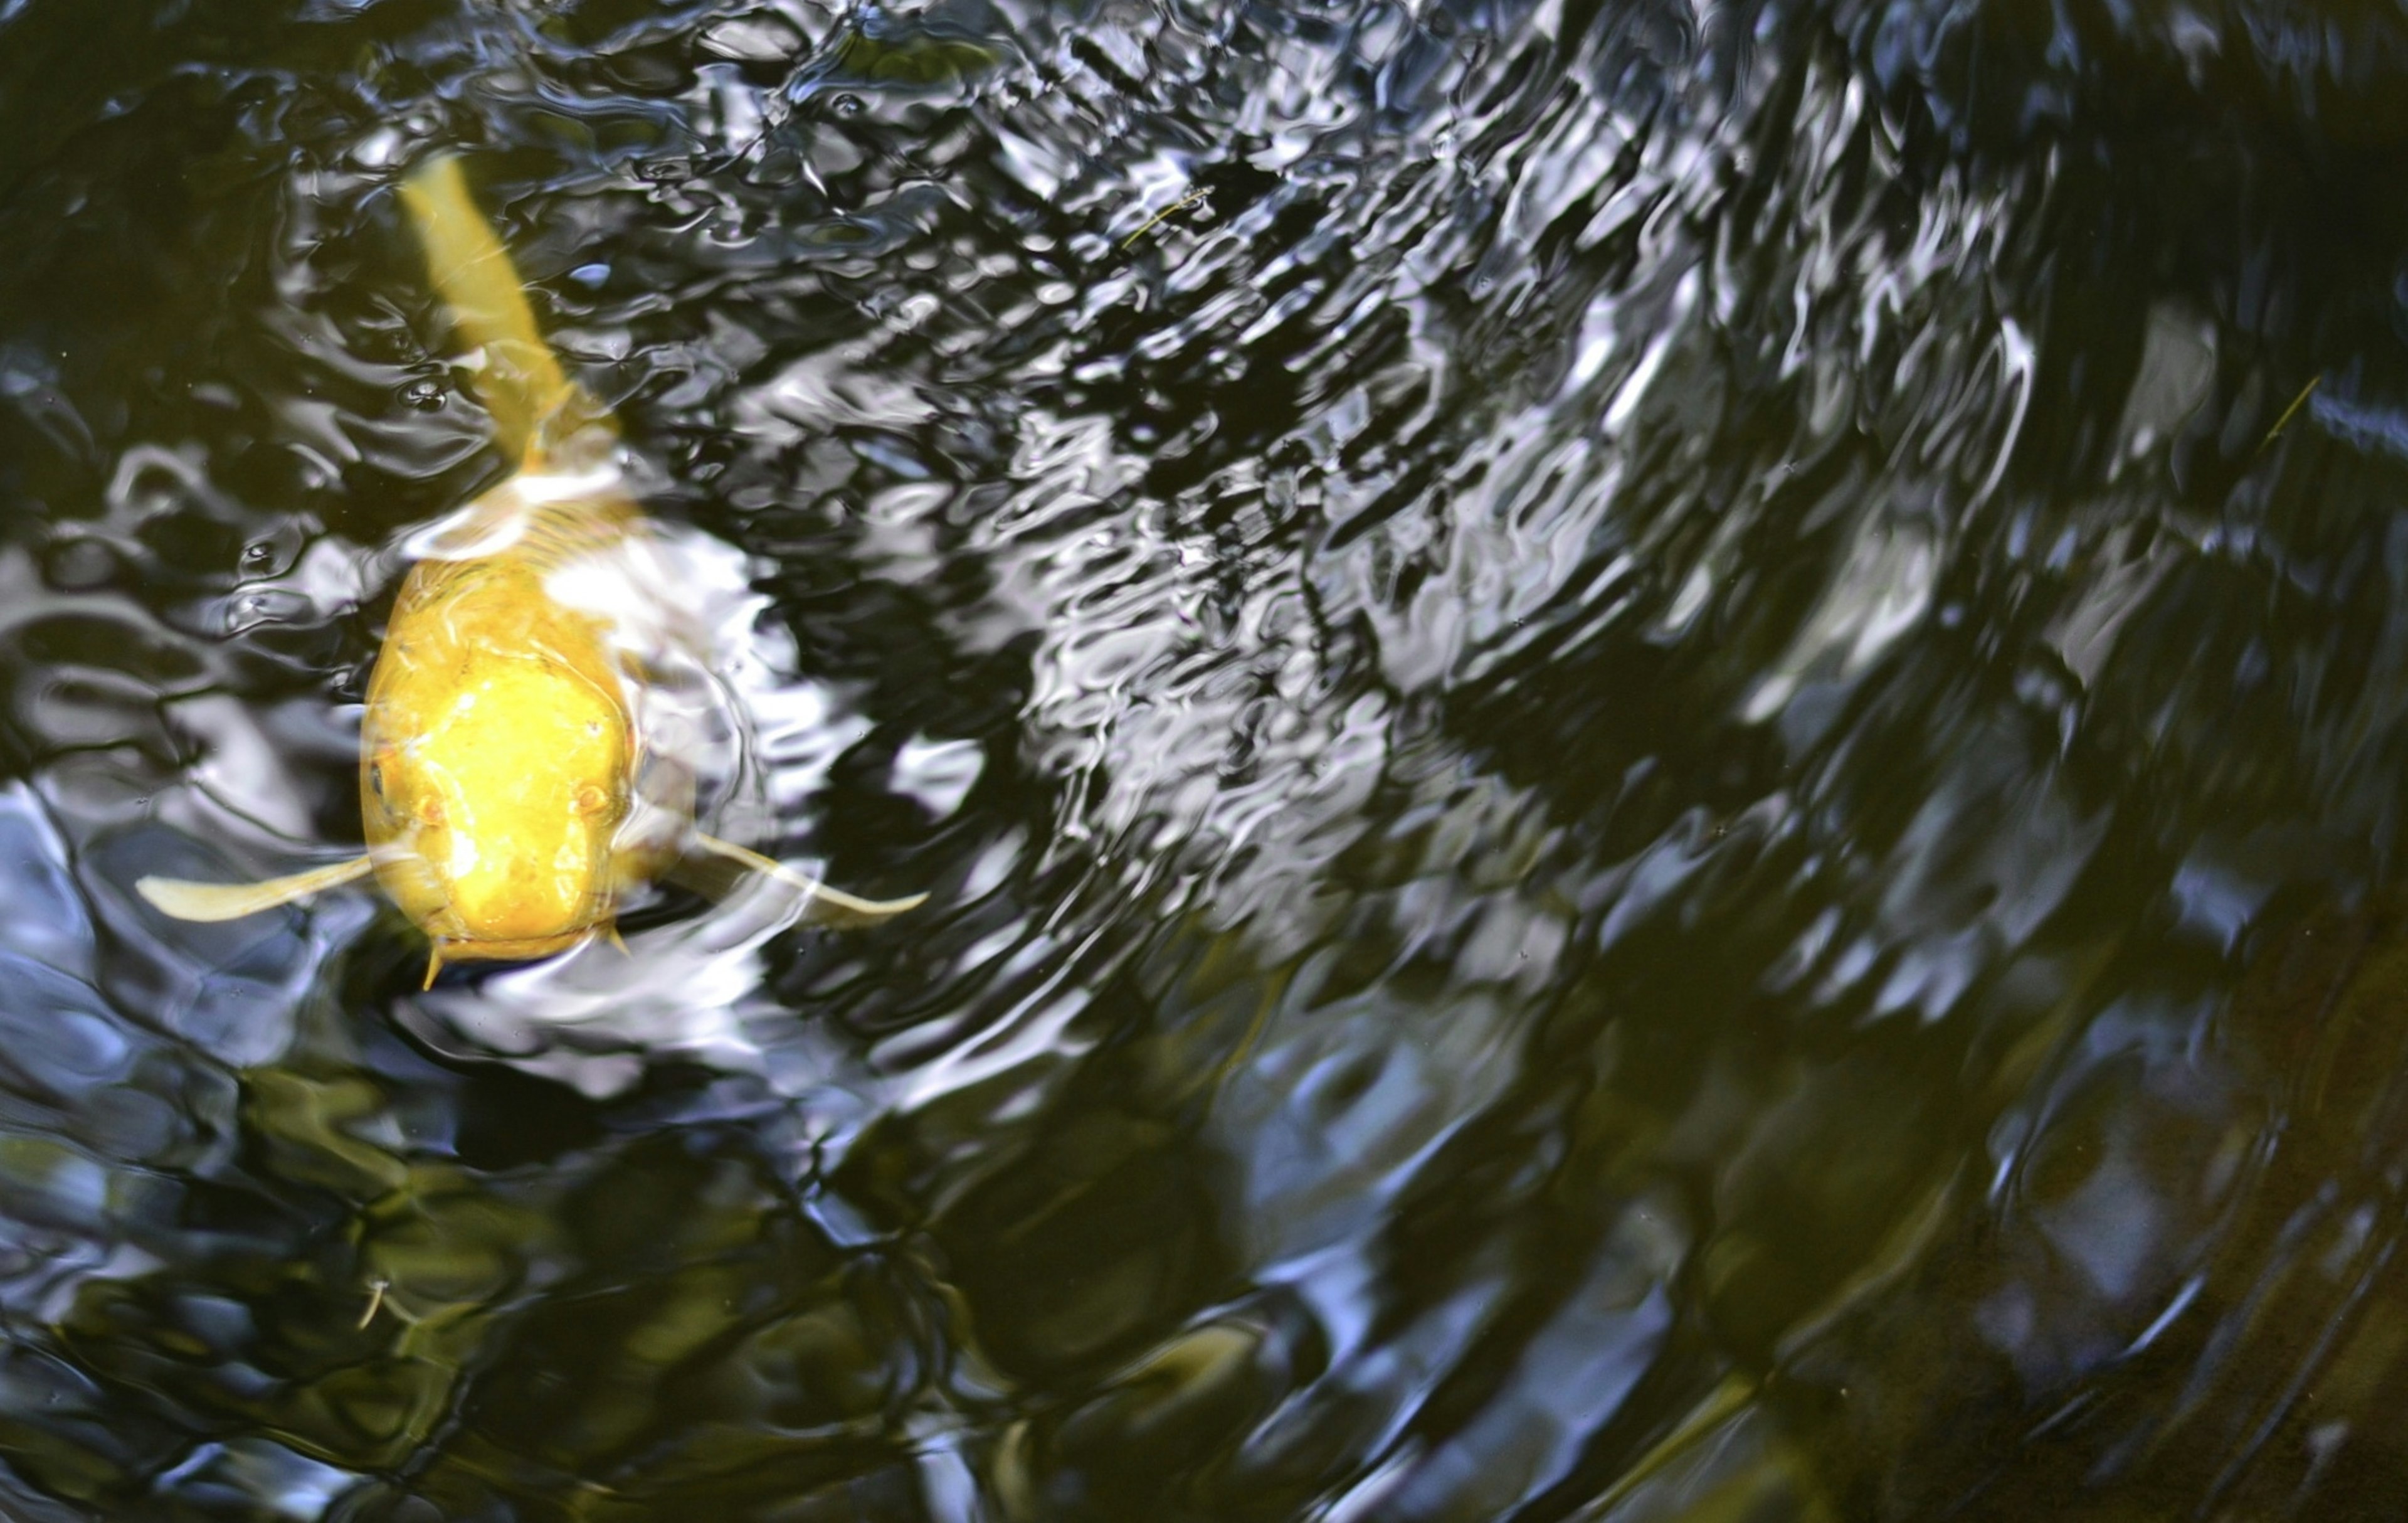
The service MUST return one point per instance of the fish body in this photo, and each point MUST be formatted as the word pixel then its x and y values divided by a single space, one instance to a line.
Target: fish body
pixel 496 759
pixel 501 749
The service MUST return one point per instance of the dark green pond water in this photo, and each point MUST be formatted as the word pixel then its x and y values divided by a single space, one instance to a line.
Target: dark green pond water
pixel 1662 765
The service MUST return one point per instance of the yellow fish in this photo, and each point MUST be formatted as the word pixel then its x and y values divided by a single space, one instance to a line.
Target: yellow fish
pixel 500 754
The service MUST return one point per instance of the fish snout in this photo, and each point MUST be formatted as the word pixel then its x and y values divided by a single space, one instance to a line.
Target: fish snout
pixel 517 900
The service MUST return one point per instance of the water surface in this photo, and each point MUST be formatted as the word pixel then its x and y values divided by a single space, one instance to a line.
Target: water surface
pixel 1659 746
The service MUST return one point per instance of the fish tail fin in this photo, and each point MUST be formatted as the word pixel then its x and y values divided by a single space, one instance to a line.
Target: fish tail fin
pixel 533 402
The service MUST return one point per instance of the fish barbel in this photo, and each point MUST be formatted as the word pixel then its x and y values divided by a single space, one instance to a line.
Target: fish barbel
pixel 500 754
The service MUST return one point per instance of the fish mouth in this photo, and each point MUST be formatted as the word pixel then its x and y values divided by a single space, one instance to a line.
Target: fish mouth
pixel 520 949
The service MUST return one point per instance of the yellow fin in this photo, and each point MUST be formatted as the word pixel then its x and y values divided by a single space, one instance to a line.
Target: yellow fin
pixel 533 404
pixel 232 901
pixel 825 906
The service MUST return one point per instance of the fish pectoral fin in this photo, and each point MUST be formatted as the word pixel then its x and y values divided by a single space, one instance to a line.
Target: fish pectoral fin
pixel 188 900
pixel 823 906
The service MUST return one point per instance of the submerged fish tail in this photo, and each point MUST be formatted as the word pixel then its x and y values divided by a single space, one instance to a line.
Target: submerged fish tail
pixel 533 402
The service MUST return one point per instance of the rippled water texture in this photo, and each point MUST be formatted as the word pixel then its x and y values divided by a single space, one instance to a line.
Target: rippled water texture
pixel 1651 793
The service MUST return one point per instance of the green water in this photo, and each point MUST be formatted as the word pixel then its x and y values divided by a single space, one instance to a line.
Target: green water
pixel 1651 793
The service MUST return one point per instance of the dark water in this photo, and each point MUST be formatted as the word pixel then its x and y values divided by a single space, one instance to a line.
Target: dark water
pixel 1651 794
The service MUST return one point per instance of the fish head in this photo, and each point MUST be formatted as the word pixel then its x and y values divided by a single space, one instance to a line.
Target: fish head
pixel 491 806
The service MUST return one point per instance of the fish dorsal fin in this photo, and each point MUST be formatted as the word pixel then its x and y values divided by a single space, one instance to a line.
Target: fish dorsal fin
pixel 533 405
pixel 232 901
pixel 823 906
